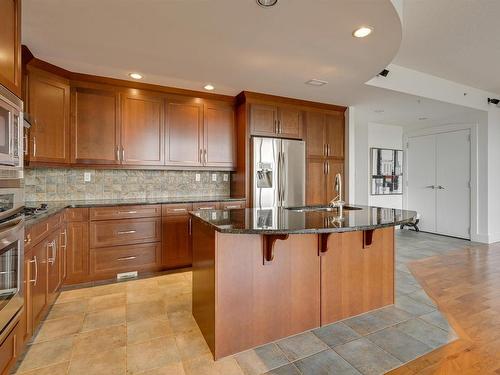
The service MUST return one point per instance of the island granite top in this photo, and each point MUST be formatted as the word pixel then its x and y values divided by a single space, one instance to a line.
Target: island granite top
pixel 285 221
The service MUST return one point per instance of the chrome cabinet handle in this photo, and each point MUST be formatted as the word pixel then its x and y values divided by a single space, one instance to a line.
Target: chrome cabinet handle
pixel 206 208
pixel 127 212
pixel 52 246
pixel 328 150
pixel 127 258
pixel 34 146
pixel 65 234
pixel 118 153
pixel 231 207
pixel 179 209
pixel 190 226
pixel 127 231
pixel 25 145
pixel 34 260
pixel 279 127
pixel 205 156
pixel 327 168
pixel 324 168
pixel 276 130
pixel 325 149
pixel 123 154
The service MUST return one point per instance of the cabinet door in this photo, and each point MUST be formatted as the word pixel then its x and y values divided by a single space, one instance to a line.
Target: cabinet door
pixel 10 45
pixel 176 247
pixel 263 119
pixel 48 105
pixel 354 278
pixel 25 324
pixel 95 128
pixel 184 138
pixel 54 274
pixel 142 129
pixel 77 258
pixel 316 181
pixel 315 134
pixel 290 123
pixel 63 246
pixel 332 168
pixel 220 136
pixel 335 124
pixel 39 284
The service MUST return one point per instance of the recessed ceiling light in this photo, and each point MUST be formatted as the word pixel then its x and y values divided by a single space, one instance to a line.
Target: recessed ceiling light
pixel 135 75
pixel 209 87
pixel 316 82
pixel 267 3
pixel 362 31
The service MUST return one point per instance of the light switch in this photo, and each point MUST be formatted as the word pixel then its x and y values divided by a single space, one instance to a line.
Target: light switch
pixel 197 177
pixel 226 177
pixel 214 177
pixel 87 177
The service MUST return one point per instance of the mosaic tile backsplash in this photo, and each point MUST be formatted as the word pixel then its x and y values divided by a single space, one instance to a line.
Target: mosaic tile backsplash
pixel 53 184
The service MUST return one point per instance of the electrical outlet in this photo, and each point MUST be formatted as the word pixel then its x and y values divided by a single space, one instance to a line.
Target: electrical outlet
pixel 87 177
pixel 226 177
pixel 214 177
pixel 197 177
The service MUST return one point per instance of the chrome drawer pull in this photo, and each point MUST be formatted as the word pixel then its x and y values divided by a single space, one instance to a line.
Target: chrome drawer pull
pixel 230 207
pixel 127 232
pixel 127 212
pixel 179 209
pixel 206 208
pixel 34 260
pixel 127 258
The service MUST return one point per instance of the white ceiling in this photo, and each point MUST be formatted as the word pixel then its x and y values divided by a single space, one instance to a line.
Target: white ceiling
pixel 234 44
pixel 454 39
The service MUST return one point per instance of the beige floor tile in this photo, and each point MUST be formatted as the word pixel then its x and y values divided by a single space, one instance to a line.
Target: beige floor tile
pixel 54 328
pixel 99 340
pixel 145 330
pixel 176 289
pixel 138 297
pixel 172 278
pixel 141 311
pixel 205 365
pixel 191 345
pixel 72 295
pixel 181 302
pixel 102 290
pixel 64 309
pixel 182 322
pixel 151 355
pixel 104 318
pixel 47 353
pixel 112 362
pixel 106 301
pixel 143 286
pixel 58 369
pixel 172 369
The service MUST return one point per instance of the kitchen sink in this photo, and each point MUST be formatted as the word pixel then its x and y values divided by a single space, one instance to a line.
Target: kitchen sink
pixel 321 208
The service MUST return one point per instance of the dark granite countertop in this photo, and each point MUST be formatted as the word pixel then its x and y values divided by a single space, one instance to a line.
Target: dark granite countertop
pixel 284 221
pixel 57 206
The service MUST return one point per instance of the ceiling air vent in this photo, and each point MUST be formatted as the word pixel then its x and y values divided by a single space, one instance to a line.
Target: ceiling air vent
pixel 316 82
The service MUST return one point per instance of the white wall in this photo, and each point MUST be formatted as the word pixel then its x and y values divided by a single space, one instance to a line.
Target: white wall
pixel 384 136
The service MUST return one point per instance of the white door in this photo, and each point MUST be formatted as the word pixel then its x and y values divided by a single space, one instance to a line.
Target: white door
pixel 453 183
pixel 439 182
pixel 421 162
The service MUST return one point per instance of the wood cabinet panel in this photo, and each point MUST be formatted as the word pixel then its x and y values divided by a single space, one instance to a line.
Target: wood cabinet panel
pixel 315 134
pixel 271 301
pixel 125 212
pixel 184 138
pixel 232 205
pixel 124 232
pixel 316 182
pixel 76 214
pixel 220 136
pixel 206 206
pixel 176 209
pixel 356 279
pixel 112 260
pixel 95 126
pixel 38 287
pixel 335 125
pixel 290 123
pixel 54 265
pixel 77 252
pixel 49 106
pixel 142 129
pixel 263 119
pixel 176 246
pixel 9 350
pixel 10 45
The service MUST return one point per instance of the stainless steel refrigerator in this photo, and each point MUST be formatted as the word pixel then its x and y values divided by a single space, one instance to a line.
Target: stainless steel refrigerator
pixel 279 172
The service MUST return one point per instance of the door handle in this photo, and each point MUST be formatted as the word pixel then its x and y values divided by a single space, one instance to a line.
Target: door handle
pixel 52 259
pixel 283 180
pixel 127 212
pixel 278 179
pixel 65 234
pixel 117 153
pixel 34 146
pixel 127 258
pixel 34 260
pixel 127 231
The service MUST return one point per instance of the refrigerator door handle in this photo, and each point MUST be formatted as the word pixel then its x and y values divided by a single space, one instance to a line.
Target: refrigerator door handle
pixel 278 179
pixel 283 179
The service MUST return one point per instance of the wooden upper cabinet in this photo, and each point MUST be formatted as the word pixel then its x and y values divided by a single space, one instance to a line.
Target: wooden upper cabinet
pixel 95 127
pixel 289 123
pixel 142 130
pixel 184 133
pixel 49 106
pixel 316 173
pixel 10 45
pixel 220 136
pixel 263 119
pixel 335 125
pixel 315 134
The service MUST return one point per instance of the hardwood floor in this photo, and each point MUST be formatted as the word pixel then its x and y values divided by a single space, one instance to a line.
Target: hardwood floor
pixel 465 285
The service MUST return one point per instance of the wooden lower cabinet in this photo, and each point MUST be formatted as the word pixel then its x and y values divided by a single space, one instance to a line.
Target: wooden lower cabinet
pixel 356 278
pixel 9 350
pixel 176 246
pixel 54 266
pixel 38 282
pixel 77 252
pixel 322 172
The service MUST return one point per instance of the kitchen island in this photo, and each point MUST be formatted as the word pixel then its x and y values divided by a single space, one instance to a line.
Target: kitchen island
pixel 260 275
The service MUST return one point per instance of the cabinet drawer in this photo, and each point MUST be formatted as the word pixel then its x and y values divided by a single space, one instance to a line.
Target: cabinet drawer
pixel 206 206
pixel 124 232
pixel 125 212
pixel 232 205
pixel 36 233
pixel 125 258
pixel 176 209
pixel 8 350
pixel 77 214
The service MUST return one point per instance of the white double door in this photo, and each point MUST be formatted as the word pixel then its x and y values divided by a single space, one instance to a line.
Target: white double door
pixel 438 172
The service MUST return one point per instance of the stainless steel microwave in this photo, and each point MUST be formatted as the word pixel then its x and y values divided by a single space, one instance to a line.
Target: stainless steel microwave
pixel 11 128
